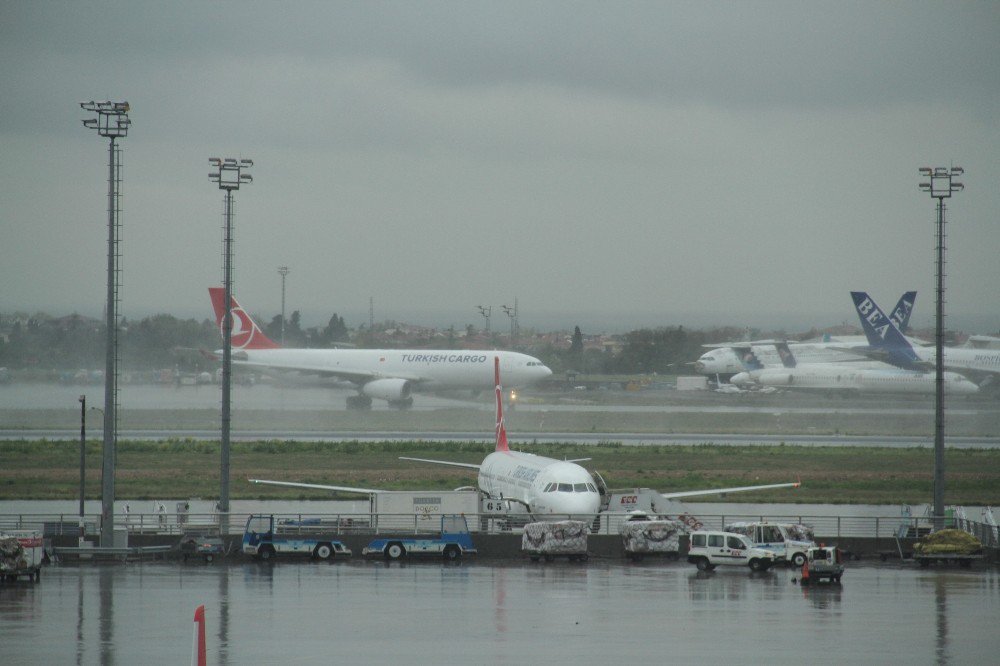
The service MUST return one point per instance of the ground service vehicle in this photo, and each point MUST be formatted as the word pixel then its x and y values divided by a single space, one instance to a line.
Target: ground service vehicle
pixel 788 541
pixel 712 549
pixel 21 554
pixel 266 536
pixel 822 563
pixel 454 542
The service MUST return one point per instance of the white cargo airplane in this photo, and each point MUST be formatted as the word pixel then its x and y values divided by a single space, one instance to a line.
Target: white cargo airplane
pixel 547 488
pixel 863 377
pixel 387 374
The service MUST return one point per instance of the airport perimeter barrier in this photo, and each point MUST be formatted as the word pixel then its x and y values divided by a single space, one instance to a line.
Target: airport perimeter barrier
pixel 825 528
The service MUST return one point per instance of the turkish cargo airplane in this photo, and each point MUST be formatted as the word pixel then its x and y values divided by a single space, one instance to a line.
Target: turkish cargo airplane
pixel 387 374
pixel 547 488
pixel 889 343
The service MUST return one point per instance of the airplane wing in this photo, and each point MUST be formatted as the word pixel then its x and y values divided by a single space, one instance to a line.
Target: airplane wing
pixel 443 462
pixel 725 491
pixel 316 486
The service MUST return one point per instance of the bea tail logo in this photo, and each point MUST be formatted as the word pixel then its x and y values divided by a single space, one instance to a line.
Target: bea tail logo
pixel 872 315
pixel 243 328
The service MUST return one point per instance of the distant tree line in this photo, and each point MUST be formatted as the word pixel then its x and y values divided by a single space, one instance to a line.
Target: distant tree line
pixel 164 341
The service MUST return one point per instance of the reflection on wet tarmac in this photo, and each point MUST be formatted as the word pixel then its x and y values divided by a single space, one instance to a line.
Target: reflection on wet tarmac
pixel 599 612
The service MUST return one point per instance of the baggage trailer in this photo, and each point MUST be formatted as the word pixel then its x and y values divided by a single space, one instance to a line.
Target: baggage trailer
pixel 266 536
pixel 21 555
pixel 453 543
pixel 642 536
pixel 564 538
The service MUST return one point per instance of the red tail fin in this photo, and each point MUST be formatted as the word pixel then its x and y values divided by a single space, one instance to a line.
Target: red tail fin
pixel 245 332
pixel 501 430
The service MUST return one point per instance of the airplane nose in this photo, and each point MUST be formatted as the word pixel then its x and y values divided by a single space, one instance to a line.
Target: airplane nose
pixel 546 372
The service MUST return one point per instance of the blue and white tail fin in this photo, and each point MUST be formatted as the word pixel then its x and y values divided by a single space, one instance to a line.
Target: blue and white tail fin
pixel 787 358
pixel 883 334
pixel 901 313
pixel 748 358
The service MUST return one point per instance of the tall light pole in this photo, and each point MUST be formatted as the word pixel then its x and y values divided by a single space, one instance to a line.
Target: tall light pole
pixel 229 175
pixel 112 122
pixel 940 184
pixel 83 463
pixel 283 271
pixel 512 313
pixel 486 311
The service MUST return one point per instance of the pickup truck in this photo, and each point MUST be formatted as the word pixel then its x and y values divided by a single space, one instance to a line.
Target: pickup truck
pixel 266 536
pixel 453 542
pixel 712 549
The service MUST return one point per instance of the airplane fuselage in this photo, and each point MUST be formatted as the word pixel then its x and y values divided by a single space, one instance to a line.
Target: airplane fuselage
pixel 425 369
pixel 550 489
pixel 851 378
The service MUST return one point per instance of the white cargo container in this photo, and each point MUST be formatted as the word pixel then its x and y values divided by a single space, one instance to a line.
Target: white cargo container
pixel 566 538
pixel 692 383
pixel 420 510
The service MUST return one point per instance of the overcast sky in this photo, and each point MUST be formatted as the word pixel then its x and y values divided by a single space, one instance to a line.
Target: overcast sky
pixel 609 164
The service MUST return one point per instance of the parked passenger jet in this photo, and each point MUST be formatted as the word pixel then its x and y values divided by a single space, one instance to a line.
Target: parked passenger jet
pixel 861 377
pixel 885 339
pixel 723 361
pixel 547 488
pixel 387 374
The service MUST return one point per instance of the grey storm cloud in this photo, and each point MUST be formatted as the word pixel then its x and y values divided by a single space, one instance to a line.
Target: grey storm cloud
pixel 609 164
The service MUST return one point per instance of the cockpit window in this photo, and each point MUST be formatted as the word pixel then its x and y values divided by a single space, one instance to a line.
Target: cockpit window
pixel 565 487
pixel 592 488
pixel 549 487
pixel 580 487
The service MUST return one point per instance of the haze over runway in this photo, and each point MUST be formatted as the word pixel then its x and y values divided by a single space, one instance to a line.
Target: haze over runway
pixel 611 165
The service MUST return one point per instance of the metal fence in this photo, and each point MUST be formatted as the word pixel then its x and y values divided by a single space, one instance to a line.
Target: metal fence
pixel 825 528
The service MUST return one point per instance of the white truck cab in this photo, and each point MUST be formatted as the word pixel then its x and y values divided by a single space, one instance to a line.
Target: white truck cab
pixel 710 549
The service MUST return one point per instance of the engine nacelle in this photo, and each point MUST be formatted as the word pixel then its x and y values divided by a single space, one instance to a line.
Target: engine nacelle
pixel 392 390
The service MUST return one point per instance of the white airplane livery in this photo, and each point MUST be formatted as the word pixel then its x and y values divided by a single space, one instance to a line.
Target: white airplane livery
pixel 863 377
pixel 387 374
pixel 547 488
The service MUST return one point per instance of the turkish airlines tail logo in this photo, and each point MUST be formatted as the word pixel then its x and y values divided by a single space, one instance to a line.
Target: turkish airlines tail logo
pixel 501 430
pixel 245 332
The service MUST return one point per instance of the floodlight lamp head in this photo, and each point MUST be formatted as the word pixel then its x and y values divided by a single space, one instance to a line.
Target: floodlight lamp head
pixel 246 163
pixel 957 187
pixel 957 171
pixel 926 170
pixel 246 177
pixel 215 161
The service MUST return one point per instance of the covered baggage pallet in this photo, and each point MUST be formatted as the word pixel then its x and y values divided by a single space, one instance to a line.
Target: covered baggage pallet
pixel 652 537
pixel 565 538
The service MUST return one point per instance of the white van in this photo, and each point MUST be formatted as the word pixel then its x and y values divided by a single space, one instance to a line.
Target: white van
pixel 788 541
pixel 711 549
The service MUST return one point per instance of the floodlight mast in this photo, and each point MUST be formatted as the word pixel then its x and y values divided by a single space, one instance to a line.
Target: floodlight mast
pixel 940 183
pixel 112 122
pixel 229 175
pixel 283 271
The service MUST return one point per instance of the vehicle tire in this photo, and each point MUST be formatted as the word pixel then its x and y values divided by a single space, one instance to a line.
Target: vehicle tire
pixel 798 559
pixel 323 551
pixel 635 557
pixel 209 557
pixel 265 553
pixel 965 564
pixel 757 565
pixel 703 564
pixel 549 558
pixel 452 553
pixel 925 562
pixel 584 557
pixel 535 558
pixel 394 551
pixel 836 579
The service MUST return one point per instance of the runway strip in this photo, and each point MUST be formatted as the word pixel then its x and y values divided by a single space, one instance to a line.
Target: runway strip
pixel 627 439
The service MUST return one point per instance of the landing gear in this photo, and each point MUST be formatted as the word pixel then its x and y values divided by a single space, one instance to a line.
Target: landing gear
pixel 359 402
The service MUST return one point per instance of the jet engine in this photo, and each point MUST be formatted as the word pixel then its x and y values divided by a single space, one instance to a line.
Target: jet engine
pixel 394 390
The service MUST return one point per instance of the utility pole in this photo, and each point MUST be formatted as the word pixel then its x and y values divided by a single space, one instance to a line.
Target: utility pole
pixel 940 184
pixel 112 122
pixel 486 311
pixel 283 271
pixel 229 175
